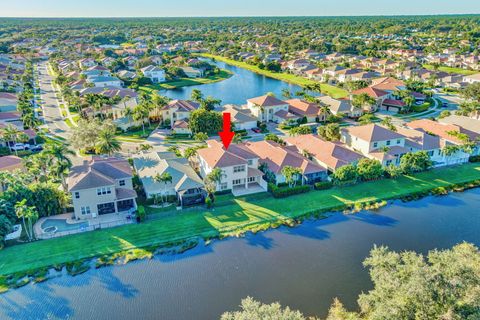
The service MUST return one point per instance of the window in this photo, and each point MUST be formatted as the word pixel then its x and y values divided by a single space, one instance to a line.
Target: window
pixel 251 179
pixel 375 144
pixel 237 182
pixel 103 191
pixel 388 142
pixel 250 162
pixel 239 169
pixel 85 210
pixel 223 186
pixel 121 183
pixel 398 141
pixel 77 195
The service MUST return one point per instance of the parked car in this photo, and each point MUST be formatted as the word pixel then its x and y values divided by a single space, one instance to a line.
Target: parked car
pixel 36 148
pixel 19 147
pixel 256 130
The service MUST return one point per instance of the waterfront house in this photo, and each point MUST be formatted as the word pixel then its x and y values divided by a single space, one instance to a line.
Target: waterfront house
pixel 268 108
pixel 239 167
pixel 241 118
pixel 101 186
pixel 340 107
pixel 192 72
pixel 186 185
pixel 178 110
pixel 154 73
pixel 375 142
pixel 329 154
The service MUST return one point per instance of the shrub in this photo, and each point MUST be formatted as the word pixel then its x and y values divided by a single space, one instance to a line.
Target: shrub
pixel 141 214
pixel 323 185
pixel 4 151
pixel 474 158
pixel 208 202
pixel 283 192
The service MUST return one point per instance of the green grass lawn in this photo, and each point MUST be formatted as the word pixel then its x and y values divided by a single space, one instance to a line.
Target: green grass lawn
pixel 137 135
pixel 450 69
pixel 231 216
pixel 185 82
pixel 335 92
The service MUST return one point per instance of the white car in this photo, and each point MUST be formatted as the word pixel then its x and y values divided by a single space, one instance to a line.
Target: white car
pixel 19 147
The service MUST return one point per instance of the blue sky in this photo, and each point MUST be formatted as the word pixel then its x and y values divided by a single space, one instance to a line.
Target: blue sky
pixel 176 8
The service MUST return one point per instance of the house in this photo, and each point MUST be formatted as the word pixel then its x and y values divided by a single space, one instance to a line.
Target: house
pixel 375 142
pixel 273 157
pixel 178 110
pixel 11 163
pixel 268 108
pixel 419 140
pixel 311 111
pixel 239 167
pixel 154 73
pixel 467 123
pixel 105 81
pixel 341 107
pixel 186 185
pixel 331 155
pixel 379 95
pixel 241 118
pixel 192 72
pixel 393 105
pixel 127 75
pixel 8 102
pixel 388 84
pixel 474 78
pixel 87 63
pixel 96 71
pixel 450 132
pixel 101 186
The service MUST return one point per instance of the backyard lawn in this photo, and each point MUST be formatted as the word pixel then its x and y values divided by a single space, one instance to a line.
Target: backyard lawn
pixel 232 215
pixel 185 82
pixel 291 78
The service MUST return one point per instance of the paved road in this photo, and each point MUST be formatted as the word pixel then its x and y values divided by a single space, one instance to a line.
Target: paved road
pixel 50 105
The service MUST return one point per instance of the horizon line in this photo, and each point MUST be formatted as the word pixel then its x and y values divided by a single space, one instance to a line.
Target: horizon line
pixel 241 16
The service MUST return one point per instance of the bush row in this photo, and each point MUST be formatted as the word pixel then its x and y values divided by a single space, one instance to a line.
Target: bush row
pixel 283 192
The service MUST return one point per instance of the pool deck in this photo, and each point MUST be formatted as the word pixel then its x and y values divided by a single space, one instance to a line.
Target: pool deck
pixel 100 222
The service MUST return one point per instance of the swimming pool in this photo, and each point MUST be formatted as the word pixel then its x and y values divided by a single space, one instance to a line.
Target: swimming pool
pixel 61 225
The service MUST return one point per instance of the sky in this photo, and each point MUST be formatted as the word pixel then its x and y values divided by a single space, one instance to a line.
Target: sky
pixel 190 8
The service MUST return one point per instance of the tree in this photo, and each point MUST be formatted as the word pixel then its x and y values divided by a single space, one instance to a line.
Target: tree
pixel 209 103
pixel 444 114
pixel 11 133
pixel 59 154
pixel 212 180
pixel 28 213
pixel 387 122
pixel 202 120
pixel 6 227
pixel 415 162
pixel 200 136
pixel 145 147
pixel 366 119
pixel 295 131
pixel 165 178
pixel 254 310
pixel 196 95
pixel 330 132
pixel 291 175
pixel 286 93
pixel 273 137
pixel 369 169
pixel 393 171
pixel 107 143
pixel 345 174
pixel 362 101
pixel 140 113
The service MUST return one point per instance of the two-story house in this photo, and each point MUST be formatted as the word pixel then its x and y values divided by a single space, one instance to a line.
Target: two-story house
pixel 376 142
pixel 239 168
pixel 154 73
pixel 177 112
pixel 268 108
pixel 101 186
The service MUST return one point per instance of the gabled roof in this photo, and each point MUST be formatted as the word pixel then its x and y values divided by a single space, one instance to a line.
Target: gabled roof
pixel 238 114
pixel 182 105
pixel 217 157
pixel 277 157
pixel 266 101
pixel 373 132
pixel 372 92
pixel 419 139
pixel 303 108
pixel 332 154
pixel 388 84
pixel 442 130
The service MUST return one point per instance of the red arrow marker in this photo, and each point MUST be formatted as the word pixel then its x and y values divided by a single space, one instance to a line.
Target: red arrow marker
pixel 226 135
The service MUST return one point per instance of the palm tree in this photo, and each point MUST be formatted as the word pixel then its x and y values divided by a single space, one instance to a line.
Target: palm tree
pixel 286 93
pixel 213 179
pixel 145 147
pixel 165 178
pixel 107 143
pixel 139 114
pixel 29 213
pixel 387 122
pixel 128 113
pixel 58 153
pixel 196 95
pixel 11 133
pixel 189 153
pixel 450 150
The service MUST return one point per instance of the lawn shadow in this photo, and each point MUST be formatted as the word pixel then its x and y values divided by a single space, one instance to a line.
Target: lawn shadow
pixel 112 283
pixel 374 219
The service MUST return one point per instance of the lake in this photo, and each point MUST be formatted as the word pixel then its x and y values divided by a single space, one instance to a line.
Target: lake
pixel 304 267
pixel 243 85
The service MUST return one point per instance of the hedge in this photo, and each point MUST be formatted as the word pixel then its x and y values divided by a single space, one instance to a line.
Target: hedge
pixel 283 192
pixel 474 159
pixel 323 185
